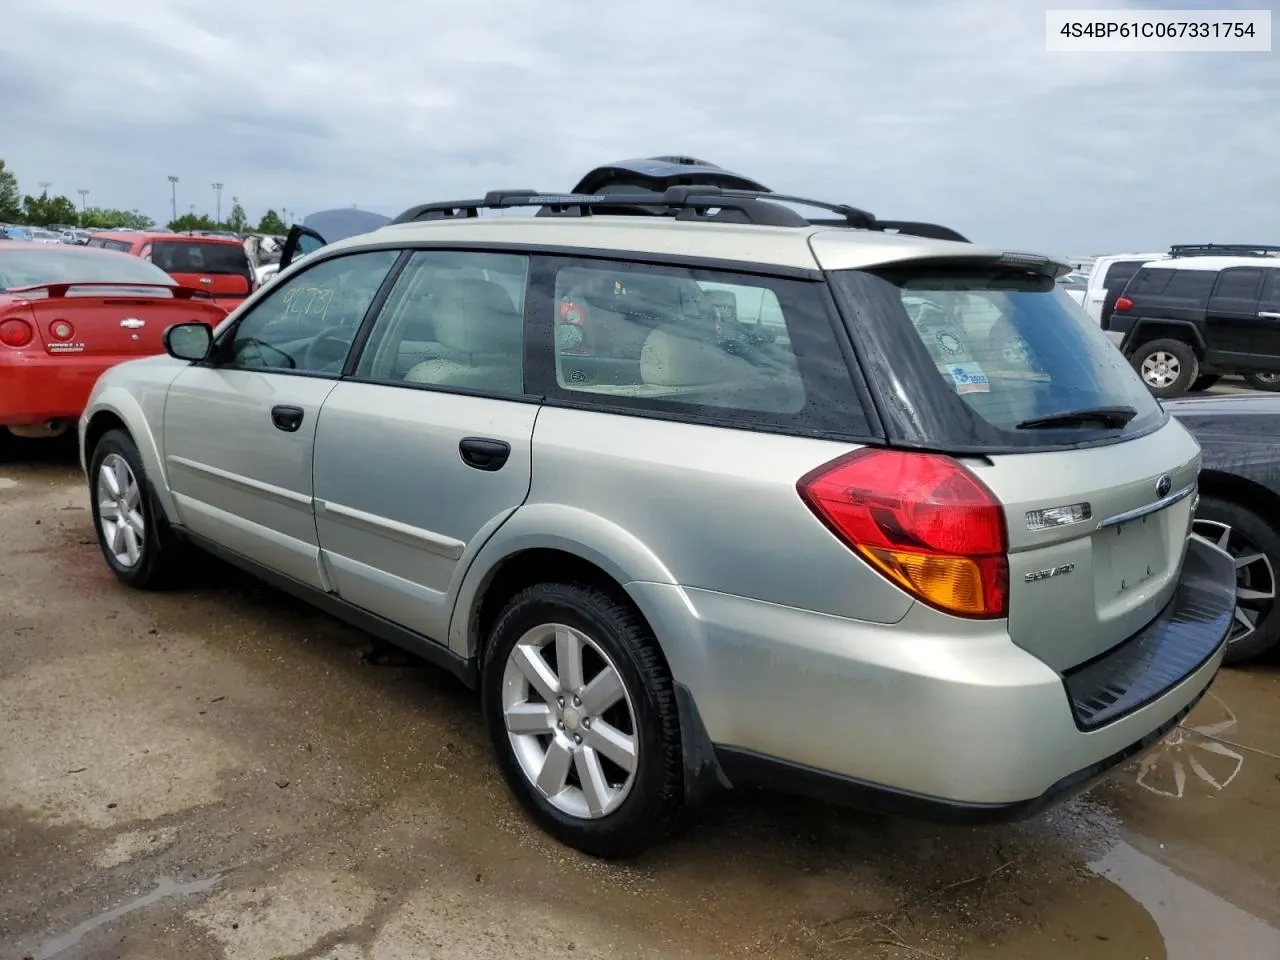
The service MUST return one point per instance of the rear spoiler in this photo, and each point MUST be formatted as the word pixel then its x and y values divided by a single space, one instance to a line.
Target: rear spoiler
pixel 55 291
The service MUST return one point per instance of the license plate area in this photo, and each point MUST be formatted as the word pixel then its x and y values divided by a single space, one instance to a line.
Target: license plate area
pixel 1128 557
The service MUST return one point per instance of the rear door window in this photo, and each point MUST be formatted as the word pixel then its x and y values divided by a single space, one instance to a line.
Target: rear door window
pixel 980 355
pixel 1239 284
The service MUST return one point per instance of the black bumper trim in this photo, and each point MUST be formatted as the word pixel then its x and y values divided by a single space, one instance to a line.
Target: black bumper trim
pixel 1189 631
pixel 745 768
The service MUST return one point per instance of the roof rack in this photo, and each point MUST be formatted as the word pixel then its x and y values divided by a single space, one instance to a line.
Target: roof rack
pixel 714 204
pixel 1223 250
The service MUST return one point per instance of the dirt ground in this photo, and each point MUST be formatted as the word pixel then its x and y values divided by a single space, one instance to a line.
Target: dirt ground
pixel 215 773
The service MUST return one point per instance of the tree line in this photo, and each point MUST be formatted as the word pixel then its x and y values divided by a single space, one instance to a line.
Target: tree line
pixel 44 210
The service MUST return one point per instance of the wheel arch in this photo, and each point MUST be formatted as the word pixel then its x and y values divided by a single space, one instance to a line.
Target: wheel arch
pixel 1145 331
pixel 1242 491
pixel 586 548
pixel 117 409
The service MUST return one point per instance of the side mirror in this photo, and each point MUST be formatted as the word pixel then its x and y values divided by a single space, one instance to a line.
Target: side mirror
pixel 188 341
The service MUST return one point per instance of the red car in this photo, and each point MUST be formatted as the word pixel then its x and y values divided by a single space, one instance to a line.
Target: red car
pixel 66 314
pixel 216 265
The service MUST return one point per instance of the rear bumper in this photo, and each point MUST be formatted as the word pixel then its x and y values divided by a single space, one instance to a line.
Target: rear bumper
pixel 39 387
pixel 896 717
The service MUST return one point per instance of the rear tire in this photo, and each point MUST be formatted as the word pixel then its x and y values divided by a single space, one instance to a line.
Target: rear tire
pixel 1263 381
pixel 133 532
pixel 1244 534
pixel 1167 367
pixel 563 754
pixel 1204 382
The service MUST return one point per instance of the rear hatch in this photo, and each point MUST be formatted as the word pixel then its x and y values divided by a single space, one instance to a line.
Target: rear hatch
pixel 220 269
pixel 986 360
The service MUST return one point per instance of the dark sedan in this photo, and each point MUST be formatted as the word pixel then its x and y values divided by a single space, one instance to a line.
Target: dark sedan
pixel 1240 505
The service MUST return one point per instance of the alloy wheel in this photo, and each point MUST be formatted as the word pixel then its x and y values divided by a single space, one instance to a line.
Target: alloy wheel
pixel 120 511
pixel 1255 577
pixel 1160 369
pixel 570 721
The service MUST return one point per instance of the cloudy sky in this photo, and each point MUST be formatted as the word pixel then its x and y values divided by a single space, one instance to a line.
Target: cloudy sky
pixel 946 110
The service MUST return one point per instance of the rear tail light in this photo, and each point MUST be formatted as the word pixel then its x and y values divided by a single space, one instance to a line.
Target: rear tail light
pixel 16 333
pixel 1123 303
pixel 571 312
pixel 570 330
pixel 922 521
pixel 61 330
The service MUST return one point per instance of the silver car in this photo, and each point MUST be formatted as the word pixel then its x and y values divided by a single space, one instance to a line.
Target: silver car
pixel 697 492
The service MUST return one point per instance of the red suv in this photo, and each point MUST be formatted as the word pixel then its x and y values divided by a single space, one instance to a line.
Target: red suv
pixel 217 265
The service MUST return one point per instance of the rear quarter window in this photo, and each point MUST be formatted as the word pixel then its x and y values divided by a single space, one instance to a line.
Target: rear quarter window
pixel 971 355
pixel 1148 283
pixel 1191 284
pixel 691 343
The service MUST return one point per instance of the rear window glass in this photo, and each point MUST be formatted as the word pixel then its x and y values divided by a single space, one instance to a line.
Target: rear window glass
pixel 121 245
pixel 194 257
pixel 1119 272
pixel 1012 348
pixel 60 264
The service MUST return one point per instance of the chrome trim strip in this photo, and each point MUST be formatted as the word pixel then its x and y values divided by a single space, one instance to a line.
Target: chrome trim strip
pixel 412 536
pixel 249 485
pixel 1150 508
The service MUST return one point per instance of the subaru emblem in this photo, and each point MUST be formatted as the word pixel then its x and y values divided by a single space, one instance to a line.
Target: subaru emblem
pixel 1163 486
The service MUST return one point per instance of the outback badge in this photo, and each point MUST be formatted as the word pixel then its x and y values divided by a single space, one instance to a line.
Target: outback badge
pixel 1036 575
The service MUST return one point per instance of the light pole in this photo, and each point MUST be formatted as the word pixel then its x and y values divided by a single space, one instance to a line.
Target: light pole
pixel 84 204
pixel 45 185
pixel 173 194
pixel 218 189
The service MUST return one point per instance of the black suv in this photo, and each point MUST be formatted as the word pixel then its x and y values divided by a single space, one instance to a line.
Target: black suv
pixel 1189 320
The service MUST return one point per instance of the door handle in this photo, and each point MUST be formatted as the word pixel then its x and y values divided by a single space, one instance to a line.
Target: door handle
pixel 1269 315
pixel 287 419
pixel 483 453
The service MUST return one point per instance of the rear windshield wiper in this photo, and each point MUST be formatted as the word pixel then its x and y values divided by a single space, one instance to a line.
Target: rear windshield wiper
pixel 1106 416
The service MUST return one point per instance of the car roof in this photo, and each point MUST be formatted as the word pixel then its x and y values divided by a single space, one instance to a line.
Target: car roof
pixel 1213 263
pixel 1112 257
pixel 795 247
pixel 158 235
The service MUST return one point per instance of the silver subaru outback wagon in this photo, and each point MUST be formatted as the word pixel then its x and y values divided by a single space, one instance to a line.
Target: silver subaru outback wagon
pixel 698 492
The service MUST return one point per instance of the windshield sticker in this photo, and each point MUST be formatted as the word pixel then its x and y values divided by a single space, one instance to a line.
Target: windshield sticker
pixel 968 378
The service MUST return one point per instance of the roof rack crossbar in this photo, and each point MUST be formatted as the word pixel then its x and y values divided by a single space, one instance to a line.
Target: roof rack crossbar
pixel 683 203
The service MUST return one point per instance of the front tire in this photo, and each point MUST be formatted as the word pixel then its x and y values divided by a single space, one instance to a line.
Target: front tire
pixel 582 715
pixel 1167 367
pixel 133 533
pixel 1255 544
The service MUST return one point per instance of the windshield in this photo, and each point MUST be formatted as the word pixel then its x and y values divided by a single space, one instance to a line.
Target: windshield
pixel 1008 352
pixel 192 256
pixel 60 264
